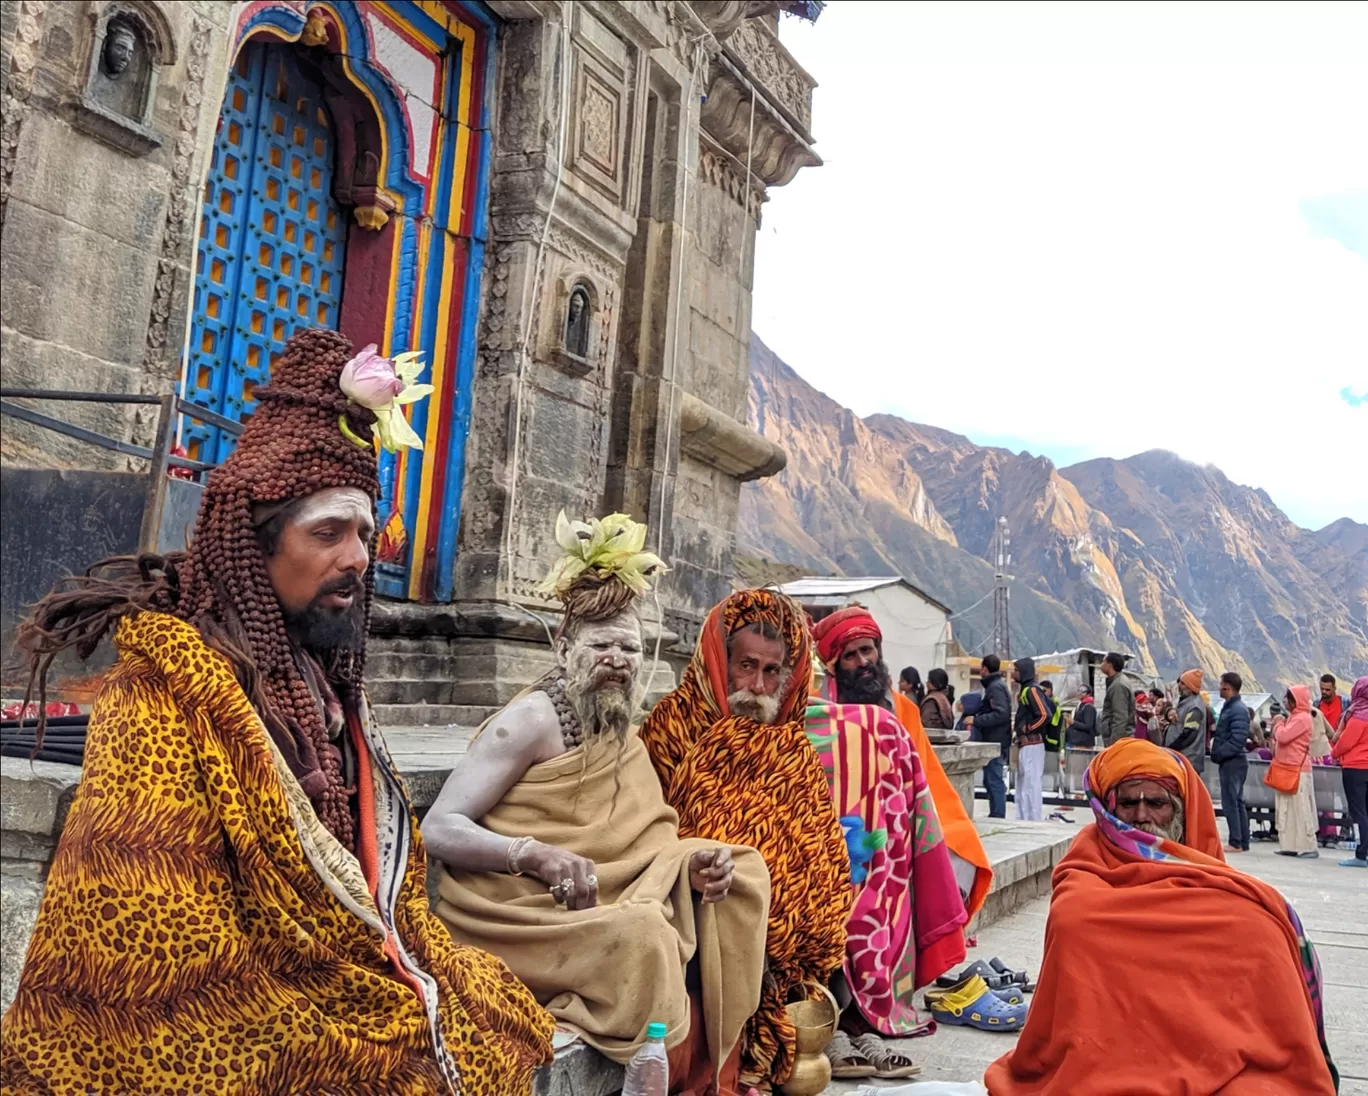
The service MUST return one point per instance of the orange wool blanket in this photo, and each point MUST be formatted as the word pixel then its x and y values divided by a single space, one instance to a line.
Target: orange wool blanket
pixel 1165 969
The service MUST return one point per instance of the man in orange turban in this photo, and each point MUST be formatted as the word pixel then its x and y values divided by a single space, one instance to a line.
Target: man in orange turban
pixel 1141 1019
pixel 730 749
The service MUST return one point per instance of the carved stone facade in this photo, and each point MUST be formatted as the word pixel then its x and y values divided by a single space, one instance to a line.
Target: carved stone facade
pixel 629 154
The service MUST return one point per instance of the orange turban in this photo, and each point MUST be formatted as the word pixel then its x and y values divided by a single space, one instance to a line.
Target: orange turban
pixel 833 632
pixel 1192 679
pixel 1133 759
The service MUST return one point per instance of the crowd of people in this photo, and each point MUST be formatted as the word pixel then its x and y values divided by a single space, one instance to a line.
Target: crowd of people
pixel 239 898
pixel 1329 731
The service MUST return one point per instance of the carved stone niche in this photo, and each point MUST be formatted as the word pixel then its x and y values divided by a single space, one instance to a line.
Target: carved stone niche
pixel 131 41
pixel 574 343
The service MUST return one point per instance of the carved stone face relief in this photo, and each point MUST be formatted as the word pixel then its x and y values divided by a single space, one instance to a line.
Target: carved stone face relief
pixel 577 322
pixel 120 46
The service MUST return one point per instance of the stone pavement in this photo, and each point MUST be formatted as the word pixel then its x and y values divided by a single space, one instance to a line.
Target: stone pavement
pixel 1331 901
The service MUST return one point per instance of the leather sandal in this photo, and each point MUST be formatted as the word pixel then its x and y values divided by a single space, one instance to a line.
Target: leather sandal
pixel 848 1060
pixel 889 1064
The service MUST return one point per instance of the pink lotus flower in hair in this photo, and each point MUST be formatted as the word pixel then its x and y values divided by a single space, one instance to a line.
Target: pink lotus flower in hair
pixel 384 387
pixel 370 379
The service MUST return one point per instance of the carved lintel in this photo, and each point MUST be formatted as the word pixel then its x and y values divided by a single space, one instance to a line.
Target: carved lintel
pixel 748 127
pixel 764 59
pixel 718 440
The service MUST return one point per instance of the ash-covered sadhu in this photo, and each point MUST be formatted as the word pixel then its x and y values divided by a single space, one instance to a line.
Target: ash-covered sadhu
pixel 238 900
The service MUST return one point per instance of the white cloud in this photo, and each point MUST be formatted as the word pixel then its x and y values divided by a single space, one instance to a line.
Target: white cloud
pixel 1082 224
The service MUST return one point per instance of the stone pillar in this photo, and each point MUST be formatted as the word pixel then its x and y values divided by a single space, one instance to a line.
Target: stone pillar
pixel 962 763
pixel 34 798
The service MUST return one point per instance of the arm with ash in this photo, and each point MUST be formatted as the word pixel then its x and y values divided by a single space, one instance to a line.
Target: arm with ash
pixel 524 734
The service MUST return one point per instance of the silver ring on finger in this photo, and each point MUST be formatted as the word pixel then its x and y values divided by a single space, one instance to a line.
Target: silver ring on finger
pixel 592 880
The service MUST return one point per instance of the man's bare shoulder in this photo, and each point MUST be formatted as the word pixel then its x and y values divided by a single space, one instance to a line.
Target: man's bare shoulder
pixel 529 723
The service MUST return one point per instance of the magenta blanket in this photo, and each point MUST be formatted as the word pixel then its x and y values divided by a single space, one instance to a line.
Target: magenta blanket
pixel 907 924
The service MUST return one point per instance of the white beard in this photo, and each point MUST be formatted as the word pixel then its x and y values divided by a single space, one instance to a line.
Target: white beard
pixel 756 706
pixel 607 709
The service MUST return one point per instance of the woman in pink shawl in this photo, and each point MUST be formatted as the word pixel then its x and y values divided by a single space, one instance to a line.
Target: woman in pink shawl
pixel 1296 811
pixel 1351 751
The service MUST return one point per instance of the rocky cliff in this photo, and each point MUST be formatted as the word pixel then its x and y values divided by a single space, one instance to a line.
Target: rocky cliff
pixel 1151 554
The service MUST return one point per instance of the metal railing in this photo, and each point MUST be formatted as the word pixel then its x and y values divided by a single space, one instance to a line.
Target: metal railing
pixel 160 455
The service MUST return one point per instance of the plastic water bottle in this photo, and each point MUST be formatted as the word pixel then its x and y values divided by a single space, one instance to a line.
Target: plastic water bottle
pixel 648 1073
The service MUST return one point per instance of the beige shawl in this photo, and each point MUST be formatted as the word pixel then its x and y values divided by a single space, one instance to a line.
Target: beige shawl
pixel 607 972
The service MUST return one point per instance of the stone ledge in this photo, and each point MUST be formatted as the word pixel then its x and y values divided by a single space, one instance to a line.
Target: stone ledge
pixel 1023 856
pixel 35 796
pixel 721 442
pixel 578 1070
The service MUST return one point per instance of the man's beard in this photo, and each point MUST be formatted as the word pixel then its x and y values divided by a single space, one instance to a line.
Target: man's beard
pixel 756 706
pixel 604 700
pixel 865 685
pixel 318 627
pixel 1176 830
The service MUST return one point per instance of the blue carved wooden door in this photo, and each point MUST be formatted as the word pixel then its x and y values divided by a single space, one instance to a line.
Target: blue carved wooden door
pixel 272 237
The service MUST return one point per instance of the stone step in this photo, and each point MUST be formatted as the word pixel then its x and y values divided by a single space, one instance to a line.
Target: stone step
pixel 578 1070
pixel 403 691
pixel 386 665
pixel 431 715
pixel 1023 856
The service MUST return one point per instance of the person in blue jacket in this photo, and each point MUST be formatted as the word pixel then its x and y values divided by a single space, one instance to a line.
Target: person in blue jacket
pixel 1228 751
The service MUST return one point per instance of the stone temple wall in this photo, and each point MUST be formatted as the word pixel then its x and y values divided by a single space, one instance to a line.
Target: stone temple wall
pixel 630 154
pixel 98 199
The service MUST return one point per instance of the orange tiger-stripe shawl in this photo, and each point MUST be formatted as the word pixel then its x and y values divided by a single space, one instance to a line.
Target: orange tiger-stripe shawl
pixel 734 780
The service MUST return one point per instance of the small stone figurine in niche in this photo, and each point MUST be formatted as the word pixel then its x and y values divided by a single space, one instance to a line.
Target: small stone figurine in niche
pixel 120 45
pixel 577 323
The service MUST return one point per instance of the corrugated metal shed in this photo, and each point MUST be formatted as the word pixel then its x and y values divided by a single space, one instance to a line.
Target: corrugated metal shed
pixel 835 592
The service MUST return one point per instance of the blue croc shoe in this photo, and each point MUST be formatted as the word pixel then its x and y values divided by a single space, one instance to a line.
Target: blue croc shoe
pixel 973 1004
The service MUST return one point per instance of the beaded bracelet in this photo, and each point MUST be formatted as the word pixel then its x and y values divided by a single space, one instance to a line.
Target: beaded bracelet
pixel 516 848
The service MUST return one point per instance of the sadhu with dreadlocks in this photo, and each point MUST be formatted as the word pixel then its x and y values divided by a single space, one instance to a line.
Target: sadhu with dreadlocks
pixel 562 856
pixel 238 901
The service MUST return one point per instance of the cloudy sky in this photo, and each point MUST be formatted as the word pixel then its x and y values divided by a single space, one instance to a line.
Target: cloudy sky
pixel 1089 230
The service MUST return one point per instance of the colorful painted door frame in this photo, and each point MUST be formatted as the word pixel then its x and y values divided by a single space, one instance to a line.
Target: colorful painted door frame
pixel 419 75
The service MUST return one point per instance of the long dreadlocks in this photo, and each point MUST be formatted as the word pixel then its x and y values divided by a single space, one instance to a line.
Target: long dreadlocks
pixel 292 447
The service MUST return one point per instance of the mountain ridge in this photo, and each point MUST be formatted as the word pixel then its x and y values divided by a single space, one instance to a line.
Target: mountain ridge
pixel 1170 560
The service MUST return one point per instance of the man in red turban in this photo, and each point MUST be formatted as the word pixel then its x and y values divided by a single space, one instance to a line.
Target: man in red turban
pixel 880 763
pixel 850 644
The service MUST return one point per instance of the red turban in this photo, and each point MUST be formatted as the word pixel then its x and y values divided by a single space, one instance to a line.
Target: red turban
pixel 833 632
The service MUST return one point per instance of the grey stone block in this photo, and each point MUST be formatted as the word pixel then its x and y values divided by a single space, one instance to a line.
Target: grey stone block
pixel 65 173
pixel 578 1071
pixel 100 303
pixel 20 898
pixel 35 795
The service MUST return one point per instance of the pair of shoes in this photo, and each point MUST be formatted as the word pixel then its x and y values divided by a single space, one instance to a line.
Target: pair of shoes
pixel 1353 862
pixel 1009 995
pixel 1312 855
pixel 975 1005
pixel 1287 852
pixel 995 974
pixel 848 1062
pixel 889 1064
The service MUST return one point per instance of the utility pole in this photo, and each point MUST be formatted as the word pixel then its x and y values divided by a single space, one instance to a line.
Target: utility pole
pixel 1002 596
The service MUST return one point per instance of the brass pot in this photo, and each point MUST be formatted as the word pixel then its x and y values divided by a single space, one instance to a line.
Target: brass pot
pixel 814 1024
pixel 810 1077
